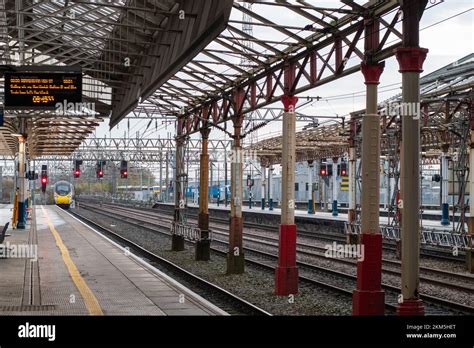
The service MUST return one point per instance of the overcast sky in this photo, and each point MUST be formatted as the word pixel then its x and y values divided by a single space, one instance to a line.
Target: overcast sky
pixel 448 39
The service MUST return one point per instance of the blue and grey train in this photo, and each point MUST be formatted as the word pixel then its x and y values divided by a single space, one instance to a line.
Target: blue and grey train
pixel 215 191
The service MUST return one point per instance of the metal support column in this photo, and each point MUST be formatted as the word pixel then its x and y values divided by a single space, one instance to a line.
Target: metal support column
pixel 368 298
pixel 22 196
pixel 235 256
pixel 470 219
pixel 335 211
pixel 387 186
pixel 270 187
pixel 263 184
pixel 310 188
pixel 218 185
pixel 161 178
pixel 167 178
pixel 1 184
pixel 226 198
pixel 323 193
pixel 444 187
pixel 203 246
pixel 351 214
pixel 286 273
pixel 114 180
pixel 177 241
pixel 410 58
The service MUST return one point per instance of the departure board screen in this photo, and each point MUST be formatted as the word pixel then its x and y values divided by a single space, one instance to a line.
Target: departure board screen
pixel 41 90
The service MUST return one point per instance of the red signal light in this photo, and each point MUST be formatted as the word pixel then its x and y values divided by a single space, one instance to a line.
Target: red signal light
pixel 77 172
pixel 344 172
pixel 44 180
pixel 322 172
pixel 125 173
pixel 101 173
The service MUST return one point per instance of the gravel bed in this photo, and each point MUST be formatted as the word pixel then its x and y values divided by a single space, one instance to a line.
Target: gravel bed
pixel 428 262
pixel 460 296
pixel 425 261
pixel 255 285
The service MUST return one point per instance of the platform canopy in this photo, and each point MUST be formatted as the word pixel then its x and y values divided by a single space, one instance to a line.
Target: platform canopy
pixel 125 50
pixel 445 109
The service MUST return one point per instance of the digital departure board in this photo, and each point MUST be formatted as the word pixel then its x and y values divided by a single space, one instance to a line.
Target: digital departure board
pixel 41 90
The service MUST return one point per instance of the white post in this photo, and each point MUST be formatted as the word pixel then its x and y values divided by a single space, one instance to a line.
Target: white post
pixel 263 185
pixel 334 187
pixel 310 188
pixel 444 189
pixel 270 187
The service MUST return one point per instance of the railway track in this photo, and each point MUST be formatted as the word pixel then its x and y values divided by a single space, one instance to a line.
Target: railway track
pixel 318 252
pixel 432 252
pixel 435 305
pixel 222 298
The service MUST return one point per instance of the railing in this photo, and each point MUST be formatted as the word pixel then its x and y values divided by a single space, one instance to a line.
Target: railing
pixel 445 239
pixel 435 237
pixel 190 233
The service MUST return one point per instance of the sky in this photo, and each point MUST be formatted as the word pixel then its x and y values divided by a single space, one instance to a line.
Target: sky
pixel 446 30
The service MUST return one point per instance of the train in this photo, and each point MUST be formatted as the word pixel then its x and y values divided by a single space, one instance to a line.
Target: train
pixel 154 192
pixel 63 194
pixel 215 191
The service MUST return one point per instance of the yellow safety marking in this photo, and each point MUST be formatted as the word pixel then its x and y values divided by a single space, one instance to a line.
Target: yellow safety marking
pixel 345 183
pixel 90 300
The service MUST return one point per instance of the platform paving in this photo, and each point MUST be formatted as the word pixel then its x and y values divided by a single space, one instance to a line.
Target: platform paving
pixel 79 272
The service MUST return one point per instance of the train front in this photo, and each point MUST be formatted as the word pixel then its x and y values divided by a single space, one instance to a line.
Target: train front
pixel 63 194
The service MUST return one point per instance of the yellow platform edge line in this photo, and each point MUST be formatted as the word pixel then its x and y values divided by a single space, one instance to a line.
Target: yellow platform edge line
pixel 90 300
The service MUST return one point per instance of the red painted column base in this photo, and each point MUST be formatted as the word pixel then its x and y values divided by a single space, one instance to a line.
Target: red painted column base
pixel 368 302
pixel 286 273
pixel 411 307
pixel 369 298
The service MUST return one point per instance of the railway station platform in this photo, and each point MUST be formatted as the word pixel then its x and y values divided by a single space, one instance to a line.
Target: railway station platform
pixel 317 218
pixel 60 266
pixel 433 234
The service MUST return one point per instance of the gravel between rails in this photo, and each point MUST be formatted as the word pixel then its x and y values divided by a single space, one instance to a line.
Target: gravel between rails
pixel 464 297
pixel 253 239
pixel 255 285
pixel 438 290
pixel 425 261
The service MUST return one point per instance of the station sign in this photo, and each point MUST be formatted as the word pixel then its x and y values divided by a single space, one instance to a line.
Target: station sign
pixel 43 90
